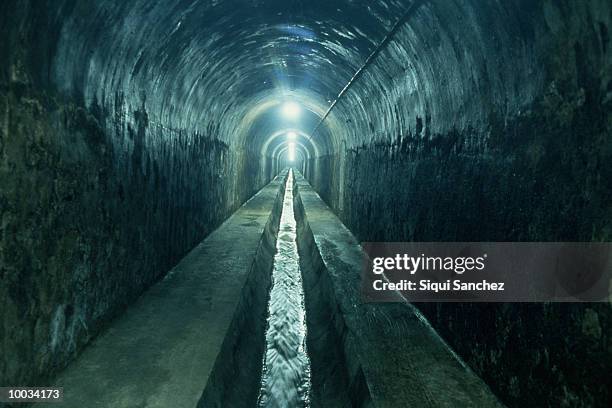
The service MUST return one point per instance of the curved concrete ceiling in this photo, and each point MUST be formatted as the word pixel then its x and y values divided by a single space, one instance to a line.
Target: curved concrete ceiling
pixel 186 61
pixel 281 136
pixel 282 147
pixel 223 68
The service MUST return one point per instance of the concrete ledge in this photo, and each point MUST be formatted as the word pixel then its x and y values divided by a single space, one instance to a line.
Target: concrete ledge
pixel 162 351
pixel 235 380
pixel 387 355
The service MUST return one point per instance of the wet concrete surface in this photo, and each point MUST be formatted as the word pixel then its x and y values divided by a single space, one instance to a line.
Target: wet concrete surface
pixel 162 351
pixel 286 366
pixel 391 355
pixel 199 336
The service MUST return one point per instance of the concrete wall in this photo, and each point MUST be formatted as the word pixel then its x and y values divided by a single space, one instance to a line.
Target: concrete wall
pixel 492 124
pixel 96 202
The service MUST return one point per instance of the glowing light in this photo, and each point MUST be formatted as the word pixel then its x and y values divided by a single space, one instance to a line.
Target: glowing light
pixel 291 151
pixel 291 136
pixel 291 110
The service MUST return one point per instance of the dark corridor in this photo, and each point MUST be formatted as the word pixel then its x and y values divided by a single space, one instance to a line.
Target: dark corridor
pixel 185 186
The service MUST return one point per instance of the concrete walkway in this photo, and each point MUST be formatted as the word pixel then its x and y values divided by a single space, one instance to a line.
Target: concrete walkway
pixel 197 337
pixel 389 348
pixel 161 352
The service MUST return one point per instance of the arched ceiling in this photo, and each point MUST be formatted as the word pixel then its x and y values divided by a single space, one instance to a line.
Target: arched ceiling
pixel 221 67
pixel 280 138
pixel 224 68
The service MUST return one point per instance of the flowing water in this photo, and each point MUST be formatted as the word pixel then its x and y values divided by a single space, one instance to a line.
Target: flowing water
pixel 285 380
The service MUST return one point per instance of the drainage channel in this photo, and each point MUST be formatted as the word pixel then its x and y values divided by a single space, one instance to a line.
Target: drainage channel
pixel 285 345
pixel 301 337
pixel 285 380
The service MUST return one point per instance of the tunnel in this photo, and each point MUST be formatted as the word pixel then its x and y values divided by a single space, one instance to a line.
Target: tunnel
pixel 186 185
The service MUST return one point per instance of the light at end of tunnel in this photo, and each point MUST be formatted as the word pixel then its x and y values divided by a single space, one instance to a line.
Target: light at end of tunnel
pixel 291 110
pixel 291 136
pixel 291 152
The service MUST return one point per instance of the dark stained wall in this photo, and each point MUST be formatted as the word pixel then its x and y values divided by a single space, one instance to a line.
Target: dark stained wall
pixel 493 123
pixel 96 203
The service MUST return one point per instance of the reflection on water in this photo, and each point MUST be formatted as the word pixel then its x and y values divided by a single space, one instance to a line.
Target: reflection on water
pixel 285 380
